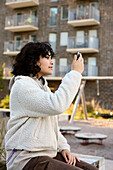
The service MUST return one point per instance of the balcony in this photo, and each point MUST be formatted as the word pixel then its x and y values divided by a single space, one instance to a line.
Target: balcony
pixel 20 23
pixel 83 44
pixel 21 3
pixel 88 16
pixel 7 72
pixel 90 70
pixel 60 71
pixel 12 48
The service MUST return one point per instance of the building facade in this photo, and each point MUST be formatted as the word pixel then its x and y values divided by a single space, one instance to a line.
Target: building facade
pixel 69 26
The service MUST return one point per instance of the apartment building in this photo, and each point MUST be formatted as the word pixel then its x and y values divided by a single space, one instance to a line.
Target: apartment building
pixel 69 26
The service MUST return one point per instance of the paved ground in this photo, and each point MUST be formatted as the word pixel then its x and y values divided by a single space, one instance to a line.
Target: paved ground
pixel 94 148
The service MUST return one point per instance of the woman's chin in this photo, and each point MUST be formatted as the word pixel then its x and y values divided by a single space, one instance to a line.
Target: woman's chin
pixel 50 73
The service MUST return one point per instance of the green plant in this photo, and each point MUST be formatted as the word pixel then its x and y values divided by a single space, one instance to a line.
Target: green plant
pixel 90 108
pixel 5 102
pixel 2 144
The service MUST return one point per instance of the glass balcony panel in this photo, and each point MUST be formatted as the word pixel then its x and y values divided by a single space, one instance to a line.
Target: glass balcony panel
pixel 14 46
pixel 60 71
pixel 7 72
pixel 89 42
pixel 21 20
pixel 87 12
pixel 71 42
pixel 90 70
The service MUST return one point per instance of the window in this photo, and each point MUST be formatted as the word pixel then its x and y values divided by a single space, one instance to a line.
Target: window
pixel 52 41
pixel 64 13
pixel 19 19
pixel 63 38
pixel 94 4
pixel 32 37
pixel 63 66
pixel 93 39
pixel 34 16
pixel 92 68
pixel 80 39
pixel 54 63
pixel 80 11
pixel 17 43
pixel 53 17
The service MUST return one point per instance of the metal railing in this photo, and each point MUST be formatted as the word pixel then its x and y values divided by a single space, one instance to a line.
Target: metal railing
pixel 20 1
pixel 11 46
pixel 21 20
pixel 83 42
pixel 90 70
pixel 60 71
pixel 87 12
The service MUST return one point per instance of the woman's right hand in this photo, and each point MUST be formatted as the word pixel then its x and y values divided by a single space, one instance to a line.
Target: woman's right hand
pixel 78 65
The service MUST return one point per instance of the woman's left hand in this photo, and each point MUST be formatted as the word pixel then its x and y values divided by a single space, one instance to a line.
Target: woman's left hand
pixel 69 157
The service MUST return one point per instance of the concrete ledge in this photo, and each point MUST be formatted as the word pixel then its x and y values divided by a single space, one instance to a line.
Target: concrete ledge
pixel 98 162
pixel 63 117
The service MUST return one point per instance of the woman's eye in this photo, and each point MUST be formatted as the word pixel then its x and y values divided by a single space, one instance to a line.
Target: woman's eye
pixel 47 57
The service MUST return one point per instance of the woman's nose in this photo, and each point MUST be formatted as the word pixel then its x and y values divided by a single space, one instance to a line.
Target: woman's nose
pixel 51 62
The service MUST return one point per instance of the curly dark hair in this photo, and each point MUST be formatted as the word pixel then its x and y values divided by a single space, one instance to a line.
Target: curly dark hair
pixel 25 62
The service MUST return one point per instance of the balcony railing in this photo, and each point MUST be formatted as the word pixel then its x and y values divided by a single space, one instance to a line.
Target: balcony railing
pixel 90 70
pixel 60 71
pixel 7 72
pixel 21 3
pixel 13 47
pixel 87 16
pixel 84 44
pixel 23 22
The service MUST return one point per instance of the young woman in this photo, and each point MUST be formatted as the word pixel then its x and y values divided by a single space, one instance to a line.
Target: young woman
pixel 33 140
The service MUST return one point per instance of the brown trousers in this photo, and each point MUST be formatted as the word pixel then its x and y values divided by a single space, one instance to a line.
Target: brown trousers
pixel 57 163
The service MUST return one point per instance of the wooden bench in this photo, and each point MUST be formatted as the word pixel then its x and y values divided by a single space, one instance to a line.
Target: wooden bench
pixel 98 162
pixel 90 136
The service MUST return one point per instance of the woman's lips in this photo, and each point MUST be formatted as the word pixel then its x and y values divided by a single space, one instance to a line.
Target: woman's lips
pixel 51 67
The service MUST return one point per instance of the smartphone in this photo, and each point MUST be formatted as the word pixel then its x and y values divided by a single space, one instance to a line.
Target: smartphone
pixel 78 55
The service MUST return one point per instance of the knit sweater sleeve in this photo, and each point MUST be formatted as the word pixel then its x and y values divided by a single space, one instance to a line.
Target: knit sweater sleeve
pixel 35 102
pixel 62 142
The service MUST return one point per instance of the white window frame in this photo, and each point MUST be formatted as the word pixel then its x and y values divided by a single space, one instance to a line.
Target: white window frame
pixel 54 38
pixel 61 41
pixel 50 16
pixel 62 13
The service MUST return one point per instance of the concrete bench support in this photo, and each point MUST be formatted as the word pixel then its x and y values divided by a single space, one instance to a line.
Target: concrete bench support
pixel 98 162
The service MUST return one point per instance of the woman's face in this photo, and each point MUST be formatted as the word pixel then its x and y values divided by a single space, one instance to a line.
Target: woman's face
pixel 46 65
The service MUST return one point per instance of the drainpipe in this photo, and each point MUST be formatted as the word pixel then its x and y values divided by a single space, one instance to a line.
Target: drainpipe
pixel 98 93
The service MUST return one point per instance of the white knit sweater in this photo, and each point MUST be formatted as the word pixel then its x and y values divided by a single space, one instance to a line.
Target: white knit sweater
pixel 33 108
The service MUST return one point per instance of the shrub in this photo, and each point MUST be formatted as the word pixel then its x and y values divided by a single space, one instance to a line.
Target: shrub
pixel 90 108
pixel 2 143
pixel 5 102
